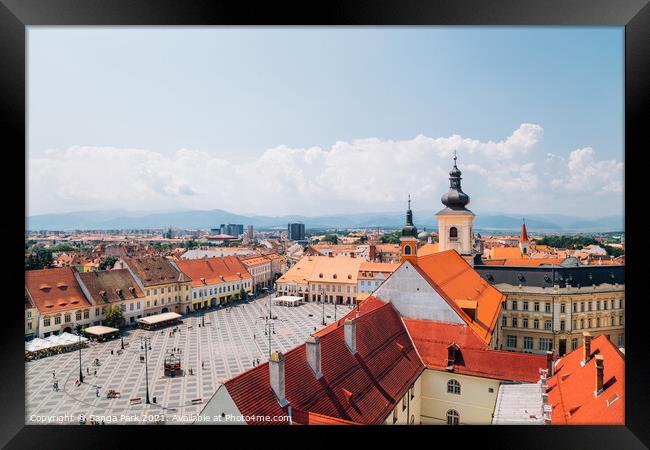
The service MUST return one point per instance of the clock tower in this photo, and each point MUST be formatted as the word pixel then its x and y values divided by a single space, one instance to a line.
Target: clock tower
pixel 408 242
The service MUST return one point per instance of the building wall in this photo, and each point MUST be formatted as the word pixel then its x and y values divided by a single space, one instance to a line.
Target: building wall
pixel 31 322
pixel 463 224
pixel 414 298
pixel 220 293
pixel 475 403
pixel 220 408
pixel 171 296
pixel 566 326
pixel 407 411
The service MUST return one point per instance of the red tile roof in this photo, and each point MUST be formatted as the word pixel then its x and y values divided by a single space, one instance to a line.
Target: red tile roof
pixel 109 286
pixel 377 376
pixel 432 339
pixel 212 269
pixel 455 280
pixel 55 290
pixel 154 270
pixel 571 388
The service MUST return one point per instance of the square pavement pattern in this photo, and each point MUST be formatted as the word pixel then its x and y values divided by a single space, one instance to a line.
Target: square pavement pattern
pixel 232 339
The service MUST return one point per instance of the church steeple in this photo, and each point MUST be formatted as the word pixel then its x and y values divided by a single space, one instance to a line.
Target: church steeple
pixel 409 239
pixel 455 198
pixel 524 241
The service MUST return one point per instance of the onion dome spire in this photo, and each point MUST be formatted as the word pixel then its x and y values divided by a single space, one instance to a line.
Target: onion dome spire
pixel 455 198
pixel 409 229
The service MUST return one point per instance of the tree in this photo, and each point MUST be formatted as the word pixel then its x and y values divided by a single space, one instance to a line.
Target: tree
pixel 113 316
pixel 243 295
pixel 391 238
pixel 40 258
pixel 334 239
pixel 613 251
pixel 107 263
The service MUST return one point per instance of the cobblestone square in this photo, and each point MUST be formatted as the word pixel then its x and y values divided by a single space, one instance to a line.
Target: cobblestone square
pixel 231 340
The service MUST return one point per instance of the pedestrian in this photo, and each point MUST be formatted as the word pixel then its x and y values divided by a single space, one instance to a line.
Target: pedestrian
pixel 87 371
pixel 95 372
pixel 202 364
pixel 111 352
pixel 97 392
pixel 53 374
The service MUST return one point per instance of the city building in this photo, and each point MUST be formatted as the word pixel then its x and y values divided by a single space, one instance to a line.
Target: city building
pixel 219 252
pixel 587 386
pixel 363 370
pixel 60 302
pixel 372 274
pixel 296 231
pixel 332 279
pixel 31 318
pixel 113 288
pixel 259 266
pixel 166 288
pixel 549 306
pixel 231 229
pixel 215 281
pixel 463 376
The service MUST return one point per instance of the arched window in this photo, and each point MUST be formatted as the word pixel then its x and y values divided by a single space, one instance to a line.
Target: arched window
pixel 453 234
pixel 452 417
pixel 453 387
pixel 407 249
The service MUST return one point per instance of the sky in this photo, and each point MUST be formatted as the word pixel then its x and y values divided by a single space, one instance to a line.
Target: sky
pixel 325 120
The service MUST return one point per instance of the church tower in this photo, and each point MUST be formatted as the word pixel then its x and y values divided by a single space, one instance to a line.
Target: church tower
pixel 408 242
pixel 455 229
pixel 524 242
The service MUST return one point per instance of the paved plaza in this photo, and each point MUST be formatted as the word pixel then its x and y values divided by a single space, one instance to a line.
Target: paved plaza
pixel 229 343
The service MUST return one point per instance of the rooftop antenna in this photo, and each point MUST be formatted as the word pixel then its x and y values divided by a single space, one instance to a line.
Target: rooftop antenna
pixel 409 201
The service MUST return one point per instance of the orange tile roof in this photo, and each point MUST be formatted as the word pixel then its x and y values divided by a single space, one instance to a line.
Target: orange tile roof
pixel 154 270
pixel 254 260
pixel 433 338
pixel 55 290
pixel 454 279
pixel 212 269
pixel 571 389
pixel 505 253
pixel 427 249
pixel 523 236
pixel 523 262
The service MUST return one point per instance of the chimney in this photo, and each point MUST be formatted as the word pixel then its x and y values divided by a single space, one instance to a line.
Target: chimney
pixel 313 355
pixel 586 347
pixel 600 369
pixel 350 334
pixel 276 376
pixel 549 363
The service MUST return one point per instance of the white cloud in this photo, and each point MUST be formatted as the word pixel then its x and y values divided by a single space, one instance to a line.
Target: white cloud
pixel 587 174
pixel 361 175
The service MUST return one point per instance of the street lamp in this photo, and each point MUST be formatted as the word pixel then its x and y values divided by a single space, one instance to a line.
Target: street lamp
pixel 145 344
pixel 81 374
pixel 323 302
pixel 269 330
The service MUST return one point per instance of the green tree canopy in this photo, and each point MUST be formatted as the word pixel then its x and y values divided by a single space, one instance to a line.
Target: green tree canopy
pixel 391 238
pixel 113 316
pixel 574 242
pixel 40 258
pixel 107 263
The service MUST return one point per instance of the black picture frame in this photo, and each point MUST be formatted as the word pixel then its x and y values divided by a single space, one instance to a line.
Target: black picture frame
pixel 16 15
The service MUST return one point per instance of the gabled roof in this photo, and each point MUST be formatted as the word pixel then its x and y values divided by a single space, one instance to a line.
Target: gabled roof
pixel 571 389
pixel 109 286
pixel 154 270
pixel 475 358
pixel 377 376
pixel 55 290
pixel 210 270
pixel 455 280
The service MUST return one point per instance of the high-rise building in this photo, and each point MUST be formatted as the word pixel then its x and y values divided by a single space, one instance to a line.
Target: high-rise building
pixel 232 229
pixel 296 231
pixel 249 232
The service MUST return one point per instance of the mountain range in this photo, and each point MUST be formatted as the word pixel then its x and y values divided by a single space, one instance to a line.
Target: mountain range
pixel 205 219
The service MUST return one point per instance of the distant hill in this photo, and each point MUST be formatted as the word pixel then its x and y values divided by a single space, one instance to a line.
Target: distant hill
pixel 121 219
